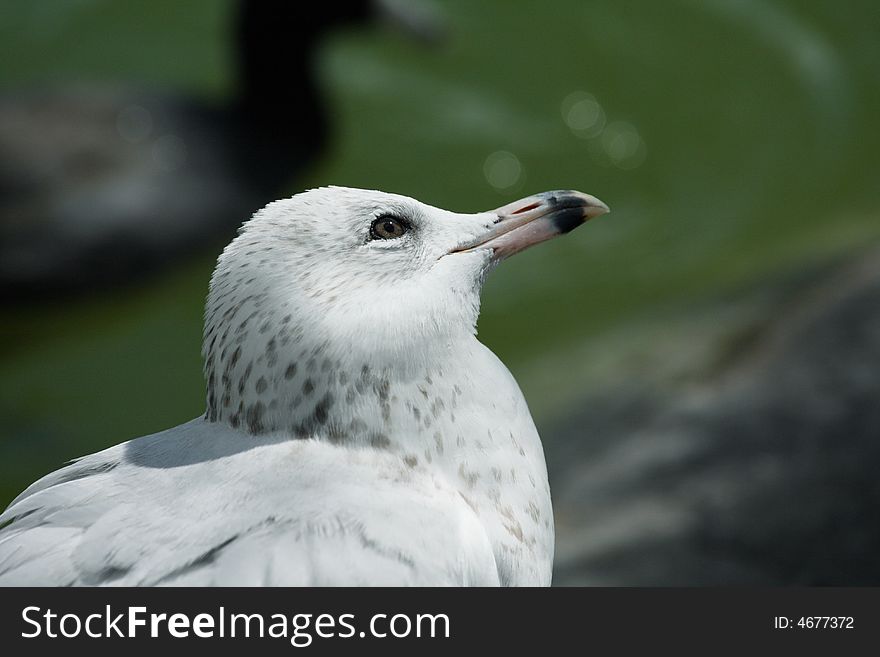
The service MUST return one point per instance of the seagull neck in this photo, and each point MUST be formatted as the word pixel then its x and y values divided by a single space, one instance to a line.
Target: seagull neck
pixel 274 382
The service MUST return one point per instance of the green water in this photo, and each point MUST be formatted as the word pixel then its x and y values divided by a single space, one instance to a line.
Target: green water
pixel 734 141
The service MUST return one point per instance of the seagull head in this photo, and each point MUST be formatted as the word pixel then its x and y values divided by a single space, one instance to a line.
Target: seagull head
pixel 339 278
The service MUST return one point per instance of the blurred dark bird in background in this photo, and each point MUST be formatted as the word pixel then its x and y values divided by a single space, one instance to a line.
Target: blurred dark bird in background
pixel 102 186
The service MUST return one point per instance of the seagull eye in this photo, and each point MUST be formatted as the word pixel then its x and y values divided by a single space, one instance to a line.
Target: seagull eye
pixel 388 228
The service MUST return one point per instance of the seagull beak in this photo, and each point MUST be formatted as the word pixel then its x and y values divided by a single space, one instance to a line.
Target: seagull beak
pixel 533 220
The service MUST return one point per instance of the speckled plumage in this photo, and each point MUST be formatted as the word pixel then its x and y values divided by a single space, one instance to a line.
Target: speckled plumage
pixel 356 431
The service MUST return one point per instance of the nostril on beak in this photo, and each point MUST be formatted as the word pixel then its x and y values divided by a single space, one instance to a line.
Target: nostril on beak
pixel 526 208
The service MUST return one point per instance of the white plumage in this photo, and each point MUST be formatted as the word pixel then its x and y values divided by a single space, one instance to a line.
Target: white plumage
pixel 357 433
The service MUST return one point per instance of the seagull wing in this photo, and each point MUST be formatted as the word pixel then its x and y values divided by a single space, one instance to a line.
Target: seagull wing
pixel 204 505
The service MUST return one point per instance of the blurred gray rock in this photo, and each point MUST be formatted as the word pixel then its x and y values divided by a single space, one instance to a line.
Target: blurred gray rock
pixel 756 463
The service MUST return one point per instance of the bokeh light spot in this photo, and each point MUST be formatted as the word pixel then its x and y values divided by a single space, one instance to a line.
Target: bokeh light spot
pixel 624 145
pixel 583 114
pixel 502 170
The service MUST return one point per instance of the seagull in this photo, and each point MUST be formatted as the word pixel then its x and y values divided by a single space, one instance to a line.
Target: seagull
pixel 356 432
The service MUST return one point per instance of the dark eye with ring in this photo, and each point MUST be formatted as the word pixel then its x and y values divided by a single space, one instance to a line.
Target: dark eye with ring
pixel 388 227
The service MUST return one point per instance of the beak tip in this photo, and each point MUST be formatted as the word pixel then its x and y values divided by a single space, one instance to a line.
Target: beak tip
pixel 593 207
pixel 594 211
